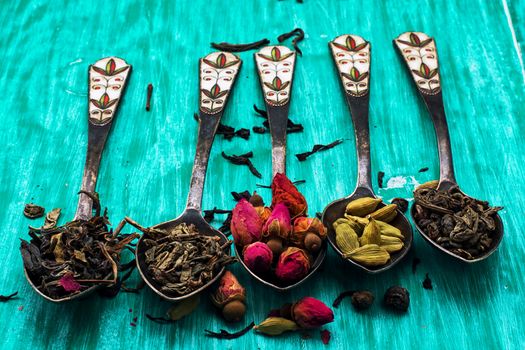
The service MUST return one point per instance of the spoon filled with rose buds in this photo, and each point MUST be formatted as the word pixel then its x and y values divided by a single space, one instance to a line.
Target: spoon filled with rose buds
pixel 278 245
pixel 362 229
pixel 463 227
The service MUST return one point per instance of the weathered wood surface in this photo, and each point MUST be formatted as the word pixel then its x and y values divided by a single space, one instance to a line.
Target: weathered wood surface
pixel 46 49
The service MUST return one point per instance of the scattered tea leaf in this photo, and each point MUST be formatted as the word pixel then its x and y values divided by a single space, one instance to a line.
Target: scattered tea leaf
pixel 380 176
pixel 148 96
pixel 209 215
pixel 224 46
pixel 33 211
pixel 340 297
pixel 243 159
pixel 4 298
pixel 422 170
pixel 299 36
pixel 318 148
pixel 223 334
pixel 51 219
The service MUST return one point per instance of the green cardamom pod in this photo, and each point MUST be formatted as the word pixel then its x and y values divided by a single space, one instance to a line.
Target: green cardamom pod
pixel 389 230
pixel 371 233
pixel 386 214
pixel 362 206
pixel 391 244
pixel 357 223
pixel 276 326
pixel 346 238
pixel 369 255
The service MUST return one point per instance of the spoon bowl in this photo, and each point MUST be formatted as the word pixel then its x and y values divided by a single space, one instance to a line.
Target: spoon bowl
pixel 336 210
pixel 189 217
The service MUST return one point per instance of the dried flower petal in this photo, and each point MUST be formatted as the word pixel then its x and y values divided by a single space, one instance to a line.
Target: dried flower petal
pixel 69 283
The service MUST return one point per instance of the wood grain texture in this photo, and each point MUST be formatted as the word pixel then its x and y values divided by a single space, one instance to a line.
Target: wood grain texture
pixel 46 49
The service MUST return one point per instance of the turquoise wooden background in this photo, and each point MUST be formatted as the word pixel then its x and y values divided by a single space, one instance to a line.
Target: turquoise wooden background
pixel 46 47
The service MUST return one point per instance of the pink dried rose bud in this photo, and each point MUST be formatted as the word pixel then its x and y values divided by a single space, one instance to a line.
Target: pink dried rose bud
pixel 278 224
pixel 293 265
pixel 284 191
pixel 311 313
pixel 258 257
pixel 308 233
pixel 246 225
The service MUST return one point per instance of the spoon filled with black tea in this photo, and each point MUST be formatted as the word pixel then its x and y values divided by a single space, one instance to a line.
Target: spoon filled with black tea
pixel 70 261
pixel 366 232
pixel 463 227
pixel 180 258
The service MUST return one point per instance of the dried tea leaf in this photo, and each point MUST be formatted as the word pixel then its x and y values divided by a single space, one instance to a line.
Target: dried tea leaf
pixel 51 219
pixel 33 211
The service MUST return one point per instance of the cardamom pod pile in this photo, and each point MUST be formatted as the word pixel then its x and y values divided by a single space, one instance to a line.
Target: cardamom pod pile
pixel 364 234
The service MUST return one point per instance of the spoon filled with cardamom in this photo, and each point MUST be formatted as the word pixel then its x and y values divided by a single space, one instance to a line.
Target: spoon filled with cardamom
pixel 180 258
pixel 463 227
pixel 363 230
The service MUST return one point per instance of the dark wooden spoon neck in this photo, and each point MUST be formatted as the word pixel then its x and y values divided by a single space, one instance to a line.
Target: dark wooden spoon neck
pixel 208 124
pixel 359 110
pixel 278 121
pixel 436 109
pixel 97 137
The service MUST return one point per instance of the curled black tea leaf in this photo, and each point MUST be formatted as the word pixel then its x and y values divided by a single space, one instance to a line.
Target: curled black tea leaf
pixel 299 36
pixel 318 148
pixel 209 215
pixel 243 159
pixel 4 298
pixel 33 211
pixel 291 127
pixel 237 196
pixel 341 296
pixel 422 170
pixel 223 334
pixel 224 46
pixel 427 282
pixel 148 96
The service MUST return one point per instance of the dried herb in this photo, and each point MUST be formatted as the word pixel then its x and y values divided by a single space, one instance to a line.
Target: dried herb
pixel 63 261
pixel 223 334
pixel 33 211
pixel 182 260
pixel 299 36
pixel 243 159
pixel 259 130
pixel 148 97
pixel 340 297
pixel 318 148
pixel 380 176
pixel 225 228
pixel 402 204
pixel 397 298
pixel 4 298
pixel 422 170
pixel 209 215
pixel 227 131
pixel 427 282
pixel 325 334
pixel 237 196
pixel 240 47
pixel 461 224
pixel 291 127
pixel 416 261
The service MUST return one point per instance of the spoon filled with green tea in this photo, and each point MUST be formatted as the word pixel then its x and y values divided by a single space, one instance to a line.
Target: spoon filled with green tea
pixel 363 230
pixel 180 258
pixel 463 227
pixel 70 261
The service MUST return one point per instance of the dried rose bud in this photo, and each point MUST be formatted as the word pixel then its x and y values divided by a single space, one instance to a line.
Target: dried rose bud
pixel 304 226
pixel 230 296
pixel 293 265
pixel 311 313
pixel 284 191
pixel 246 225
pixel 264 213
pixel 258 257
pixel 278 224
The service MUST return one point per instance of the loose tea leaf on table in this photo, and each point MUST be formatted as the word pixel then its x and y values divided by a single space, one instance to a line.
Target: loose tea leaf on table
pixel 243 159
pixel 318 148
pixel 237 196
pixel 33 211
pixel 461 224
pixel 291 127
pixel 341 296
pixel 299 36
pixel 4 298
pixel 240 47
pixel 427 283
pixel 223 334
pixel 422 170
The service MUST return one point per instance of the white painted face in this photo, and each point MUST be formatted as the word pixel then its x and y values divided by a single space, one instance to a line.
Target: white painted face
pixel 275 65
pixel 420 54
pixel 351 54
pixel 107 79
pixel 218 71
